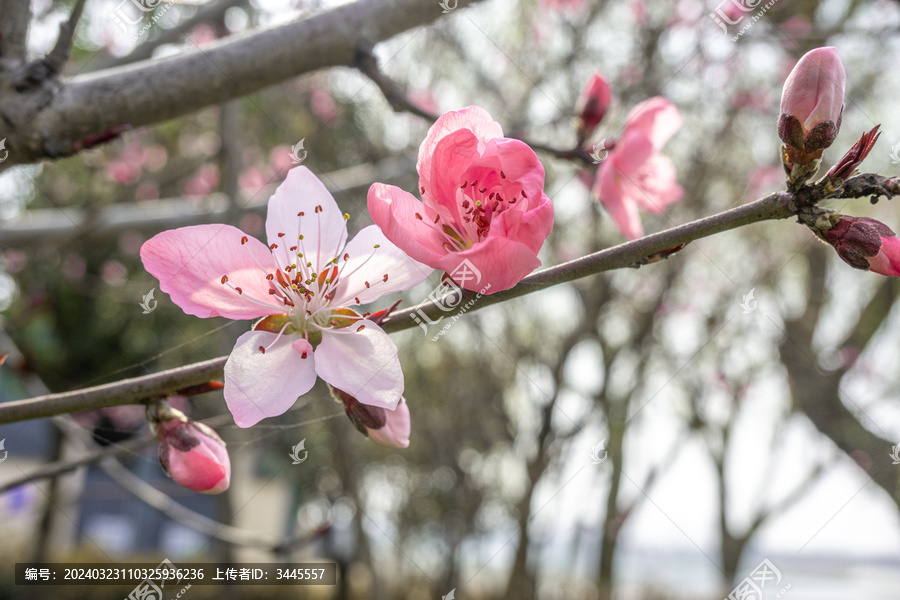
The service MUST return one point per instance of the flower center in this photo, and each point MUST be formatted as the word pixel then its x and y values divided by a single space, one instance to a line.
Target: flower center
pixel 477 206
pixel 304 285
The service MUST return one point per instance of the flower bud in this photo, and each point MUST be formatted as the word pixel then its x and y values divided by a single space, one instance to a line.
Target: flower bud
pixel 592 106
pixel 191 453
pixel 387 427
pixel 812 102
pixel 866 244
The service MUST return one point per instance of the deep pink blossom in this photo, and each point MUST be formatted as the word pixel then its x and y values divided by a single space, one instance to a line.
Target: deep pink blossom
pixel 482 201
pixel 193 454
pixel 866 244
pixel 307 284
pixel 635 175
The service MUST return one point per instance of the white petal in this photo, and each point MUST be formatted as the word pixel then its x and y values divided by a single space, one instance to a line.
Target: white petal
pixel 324 232
pixel 362 363
pixel 369 264
pixel 261 385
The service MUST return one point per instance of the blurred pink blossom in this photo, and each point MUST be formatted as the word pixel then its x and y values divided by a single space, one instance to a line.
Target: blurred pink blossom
pixel 203 183
pixel 635 175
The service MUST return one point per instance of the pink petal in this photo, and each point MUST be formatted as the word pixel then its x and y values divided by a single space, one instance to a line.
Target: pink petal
pixel 190 262
pixel 324 232
pixel 369 264
pixel 657 186
pixel 473 118
pixel 395 432
pixel 887 261
pixel 657 118
pixel 362 363
pixel 631 152
pixel 530 228
pixel 452 163
pixel 394 211
pixel 261 385
pixel 621 208
pixel 500 262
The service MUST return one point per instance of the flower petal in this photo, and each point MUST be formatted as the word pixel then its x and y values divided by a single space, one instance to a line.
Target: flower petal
pixel 190 262
pixel 362 363
pixel 261 385
pixel 657 118
pixel 500 262
pixel 324 230
pixel 369 264
pixel 394 211
pixel 395 432
pixel 621 208
pixel 474 118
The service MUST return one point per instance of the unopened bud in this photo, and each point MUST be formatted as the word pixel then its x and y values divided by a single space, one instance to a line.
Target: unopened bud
pixel 812 103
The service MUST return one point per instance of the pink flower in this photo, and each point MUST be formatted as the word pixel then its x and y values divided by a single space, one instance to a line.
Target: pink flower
pixel 193 454
pixel 483 201
pixel 387 427
pixel 866 244
pixel 303 284
pixel 592 105
pixel 812 103
pixel 635 175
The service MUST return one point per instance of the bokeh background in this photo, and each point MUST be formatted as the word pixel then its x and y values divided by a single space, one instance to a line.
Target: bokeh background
pixel 731 428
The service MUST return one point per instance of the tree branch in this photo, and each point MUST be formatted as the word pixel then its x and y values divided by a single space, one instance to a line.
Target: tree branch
pixel 15 18
pixel 652 248
pixel 153 91
pixel 59 55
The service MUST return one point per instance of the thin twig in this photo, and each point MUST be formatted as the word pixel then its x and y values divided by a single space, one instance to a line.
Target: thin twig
pixel 649 249
pixel 400 102
pixel 59 55
pixel 138 390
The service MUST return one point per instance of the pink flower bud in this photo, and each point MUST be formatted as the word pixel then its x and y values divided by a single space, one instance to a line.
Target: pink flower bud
pixel 866 244
pixel 812 102
pixel 387 427
pixel 592 105
pixel 193 455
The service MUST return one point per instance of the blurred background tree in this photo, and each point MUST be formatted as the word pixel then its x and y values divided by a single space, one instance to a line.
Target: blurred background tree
pixel 648 433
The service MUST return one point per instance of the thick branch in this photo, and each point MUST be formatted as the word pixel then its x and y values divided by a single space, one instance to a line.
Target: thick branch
pixel 154 91
pixel 15 18
pixel 648 249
